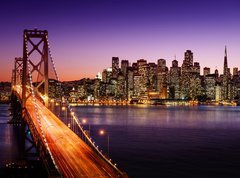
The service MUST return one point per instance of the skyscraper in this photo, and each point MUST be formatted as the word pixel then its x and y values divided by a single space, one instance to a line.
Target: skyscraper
pixel 175 74
pixel 226 88
pixel 225 66
pixel 124 66
pixel 206 71
pixel 115 67
pixel 162 72
pixel 187 69
pixel 235 71
pixel 187 62
pixel 152 76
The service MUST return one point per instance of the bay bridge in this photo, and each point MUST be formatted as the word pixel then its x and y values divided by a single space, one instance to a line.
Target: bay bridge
pixel 65 148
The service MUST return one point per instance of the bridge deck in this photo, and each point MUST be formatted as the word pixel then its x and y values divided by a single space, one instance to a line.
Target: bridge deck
pixel 74 157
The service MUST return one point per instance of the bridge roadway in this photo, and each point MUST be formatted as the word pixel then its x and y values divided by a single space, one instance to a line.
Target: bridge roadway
pixel 73 156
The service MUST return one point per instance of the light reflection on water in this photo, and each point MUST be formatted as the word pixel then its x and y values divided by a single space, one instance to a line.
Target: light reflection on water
pixel 9 138
pixel 157 141
pixel 160 141
pixel 162 116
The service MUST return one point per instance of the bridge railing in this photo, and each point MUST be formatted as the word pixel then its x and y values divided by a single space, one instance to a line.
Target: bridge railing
pixel 79 129
pixel 71 120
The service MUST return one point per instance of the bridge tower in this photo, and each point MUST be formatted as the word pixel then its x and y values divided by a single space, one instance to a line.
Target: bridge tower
pixel 17 71
pixel 35 58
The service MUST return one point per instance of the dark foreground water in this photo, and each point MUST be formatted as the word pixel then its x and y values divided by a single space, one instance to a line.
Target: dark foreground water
pixel 10 145
pixel 156 141
pixel 13 161
pixel 159 141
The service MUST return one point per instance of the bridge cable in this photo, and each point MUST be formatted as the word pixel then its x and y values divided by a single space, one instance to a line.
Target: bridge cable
pixel 75 118
pixel 36 109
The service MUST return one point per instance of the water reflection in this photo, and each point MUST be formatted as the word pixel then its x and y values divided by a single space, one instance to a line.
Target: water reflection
pixel 161 116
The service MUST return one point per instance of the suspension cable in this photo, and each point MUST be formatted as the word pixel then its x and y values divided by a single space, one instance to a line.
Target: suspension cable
pixel 76 120
pixel 36 109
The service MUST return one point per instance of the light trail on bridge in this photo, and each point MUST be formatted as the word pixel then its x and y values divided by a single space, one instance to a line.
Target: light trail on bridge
pixel 72 155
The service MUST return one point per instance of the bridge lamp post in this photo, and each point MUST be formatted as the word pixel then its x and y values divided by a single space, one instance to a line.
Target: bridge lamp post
pixel 65 109
pixel 72 120
pixel 84 121
pixel 102 132
pixel 52 104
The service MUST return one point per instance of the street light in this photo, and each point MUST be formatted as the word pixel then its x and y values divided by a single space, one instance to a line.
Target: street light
pixel 52 104
pixel 84 121
pixel 65 109
pixel 102 132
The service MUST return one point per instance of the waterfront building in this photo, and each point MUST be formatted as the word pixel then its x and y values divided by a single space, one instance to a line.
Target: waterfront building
pixel 115 67
pixel 55 89
pixel 106 75
pixel 226 88
pixel 121 87
pixel 146 81
pixel 162 76
pixel 235 71
pixel 186 77
pixel 152 77
pixel 140 62
pixel 96 88
pixel 111 88
pixel 124 66
pixel 210 84
pixel 137 86
pixel 135 67
pixel 187 62
pixel 130 82
pixel 143 70
pixel 5 91
pixel 218 90
pixel 206 71
pixel 196 68
pixel 175 74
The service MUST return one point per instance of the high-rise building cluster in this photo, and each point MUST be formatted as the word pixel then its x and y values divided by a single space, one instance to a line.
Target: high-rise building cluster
pixel 144 81
pixel 5 91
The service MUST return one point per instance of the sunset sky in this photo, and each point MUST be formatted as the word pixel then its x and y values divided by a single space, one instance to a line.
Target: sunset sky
pixel 85 34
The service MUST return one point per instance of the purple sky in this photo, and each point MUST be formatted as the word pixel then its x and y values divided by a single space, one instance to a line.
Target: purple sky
pixel 85 34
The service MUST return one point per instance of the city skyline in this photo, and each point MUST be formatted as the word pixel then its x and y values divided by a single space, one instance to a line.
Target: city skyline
pixel 84 35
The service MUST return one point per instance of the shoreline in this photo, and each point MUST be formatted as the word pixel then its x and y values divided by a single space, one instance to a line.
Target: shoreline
pixel 5 102
pixel 184 103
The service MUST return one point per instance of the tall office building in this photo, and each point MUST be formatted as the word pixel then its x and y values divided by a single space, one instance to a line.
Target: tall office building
pixel 130 82
pixel 210 82
pixel 121 87
pixel 225 65
pixel 175 74
pixel 196 68
pixel 124 66
pixel 106 75
pixel 143 72
pixel 187 62
pixel 152 76
pixel 187 71
pixel 235 71
pixel 115 67
pixel 226 87
pixel 162 72
pixel 206 71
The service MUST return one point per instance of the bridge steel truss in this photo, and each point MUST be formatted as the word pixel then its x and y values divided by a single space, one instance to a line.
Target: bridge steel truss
pixel 17 71
pixel 28 42
pixel 21 75
pixel 32 90
pixel 34 139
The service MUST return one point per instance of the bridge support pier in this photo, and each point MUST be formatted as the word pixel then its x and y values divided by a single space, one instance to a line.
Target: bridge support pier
pixel 33 137
pixel 16 110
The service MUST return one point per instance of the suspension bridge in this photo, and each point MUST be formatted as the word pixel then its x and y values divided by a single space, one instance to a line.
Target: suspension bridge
pixel 65 148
